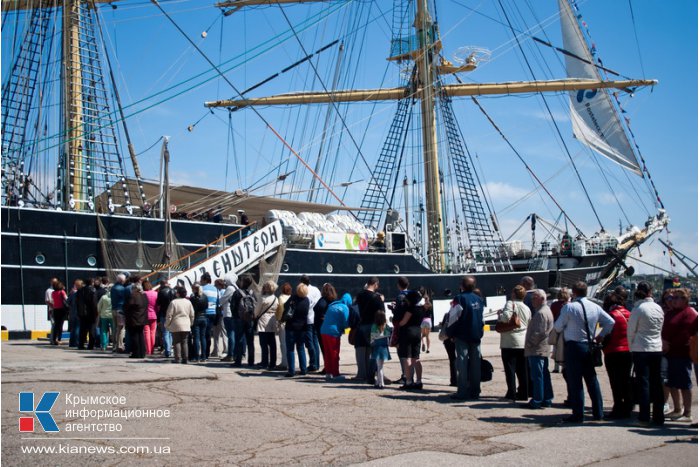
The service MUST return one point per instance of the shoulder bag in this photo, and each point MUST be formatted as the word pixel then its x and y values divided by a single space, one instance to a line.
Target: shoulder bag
pixel 594 348
pixel 512 324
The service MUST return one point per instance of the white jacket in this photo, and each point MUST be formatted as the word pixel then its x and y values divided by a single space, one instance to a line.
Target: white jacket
pixel 644 326
pixel 265 310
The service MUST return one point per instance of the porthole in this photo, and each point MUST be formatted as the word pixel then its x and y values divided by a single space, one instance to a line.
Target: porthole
pixel 92 261
pixel 40 258
pixel 285 267
pixel 359 269
pixel 397 269
pixel 329 268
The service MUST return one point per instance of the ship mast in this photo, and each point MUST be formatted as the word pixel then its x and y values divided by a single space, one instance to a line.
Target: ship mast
pixel 424 50
pixel 74 185
pixel 425 32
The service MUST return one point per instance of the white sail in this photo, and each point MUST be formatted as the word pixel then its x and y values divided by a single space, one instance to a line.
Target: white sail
pixel 595 121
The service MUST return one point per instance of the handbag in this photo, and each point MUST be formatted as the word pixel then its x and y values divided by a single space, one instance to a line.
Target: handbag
pixel 594 348
pixel 510 325
pixel 288 312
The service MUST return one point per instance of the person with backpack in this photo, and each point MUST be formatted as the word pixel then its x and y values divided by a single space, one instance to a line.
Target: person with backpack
pixel 298 307
pixel 266 325
pixel 369 302
pixel 243 312
pixel 199 328
pixel 412 313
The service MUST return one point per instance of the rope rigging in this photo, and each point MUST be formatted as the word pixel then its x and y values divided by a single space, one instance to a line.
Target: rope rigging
pixel 551 116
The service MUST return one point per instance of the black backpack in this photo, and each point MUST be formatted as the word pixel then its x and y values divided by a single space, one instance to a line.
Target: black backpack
pixel 246 306
pixel 288 310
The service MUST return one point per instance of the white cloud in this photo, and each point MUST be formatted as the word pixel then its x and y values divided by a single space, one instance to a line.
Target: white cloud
pixel 504 192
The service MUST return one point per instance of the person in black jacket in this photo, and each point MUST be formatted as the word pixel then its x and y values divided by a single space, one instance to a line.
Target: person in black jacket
pixel 369 301
pixel 165 295
pixel 87 314
pixel 135 318
pixel 200 303
pixel 296 327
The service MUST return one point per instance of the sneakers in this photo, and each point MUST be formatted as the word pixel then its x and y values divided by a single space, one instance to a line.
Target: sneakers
pixel 683 419
pixel 227 359
pixel 329 377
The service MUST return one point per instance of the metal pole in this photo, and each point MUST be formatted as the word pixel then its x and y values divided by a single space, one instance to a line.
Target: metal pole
pixel 21 279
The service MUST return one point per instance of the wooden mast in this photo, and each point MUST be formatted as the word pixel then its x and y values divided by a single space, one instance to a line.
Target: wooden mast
pixel 74 193
pixel 426 85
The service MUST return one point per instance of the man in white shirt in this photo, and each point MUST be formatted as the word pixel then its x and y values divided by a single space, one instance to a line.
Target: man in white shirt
pixel 578 334
pixel 310 337
pixel 644 337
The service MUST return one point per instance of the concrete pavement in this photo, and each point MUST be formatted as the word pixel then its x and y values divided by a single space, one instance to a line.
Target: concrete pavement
pixel 221 415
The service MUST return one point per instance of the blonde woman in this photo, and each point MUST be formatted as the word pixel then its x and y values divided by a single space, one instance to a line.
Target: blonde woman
pixel 296 327
pixel 267 324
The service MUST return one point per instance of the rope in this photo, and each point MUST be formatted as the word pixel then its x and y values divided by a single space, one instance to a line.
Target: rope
pixel 233 86
pixel 551 116
pixel 532 173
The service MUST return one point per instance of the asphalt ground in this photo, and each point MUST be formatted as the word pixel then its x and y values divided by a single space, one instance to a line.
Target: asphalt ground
pixel 219 415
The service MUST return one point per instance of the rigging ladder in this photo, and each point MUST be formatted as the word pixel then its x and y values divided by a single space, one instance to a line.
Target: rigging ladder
pixel 481 237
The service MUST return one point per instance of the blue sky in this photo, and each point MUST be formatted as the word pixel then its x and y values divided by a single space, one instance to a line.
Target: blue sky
pixel 149 55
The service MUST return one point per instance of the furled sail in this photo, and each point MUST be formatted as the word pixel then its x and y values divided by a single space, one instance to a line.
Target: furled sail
pixel 595 121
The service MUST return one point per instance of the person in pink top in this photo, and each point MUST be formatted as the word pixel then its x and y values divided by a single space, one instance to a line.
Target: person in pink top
pixel 680 323
pixel 60 311
pixel 149 331
pixel 618 359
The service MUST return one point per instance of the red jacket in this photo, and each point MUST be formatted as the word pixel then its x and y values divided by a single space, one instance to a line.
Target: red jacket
pixel 618 336
pixel 679 325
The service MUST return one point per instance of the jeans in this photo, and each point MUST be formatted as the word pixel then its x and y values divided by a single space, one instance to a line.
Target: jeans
pixel 268 348
pixel 619 368
pixel 199 333
pixel 105 325
pixel 244 338
pixel 296 339
pixel 230 336
pixel 451 355
pixel 514 363
pixel 311 343
pixel 167 339
pixel 579 367
pixel 468 367
pixel 211 321
pixel 542 393
pixel 647 367
pixel 74 329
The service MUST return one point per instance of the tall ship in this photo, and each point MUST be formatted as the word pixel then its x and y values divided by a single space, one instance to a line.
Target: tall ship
pixel 349 145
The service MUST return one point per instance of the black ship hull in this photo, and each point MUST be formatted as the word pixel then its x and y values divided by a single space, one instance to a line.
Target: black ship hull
pixel 40 244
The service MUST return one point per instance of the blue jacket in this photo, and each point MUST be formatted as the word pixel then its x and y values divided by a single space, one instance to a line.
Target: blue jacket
pixel 118 296
pixel 470 325
pixel 337 315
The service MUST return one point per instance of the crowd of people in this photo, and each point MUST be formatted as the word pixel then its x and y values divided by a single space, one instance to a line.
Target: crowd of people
pixel 649 352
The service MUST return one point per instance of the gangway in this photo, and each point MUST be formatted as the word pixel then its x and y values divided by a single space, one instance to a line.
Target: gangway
pixel 219 258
